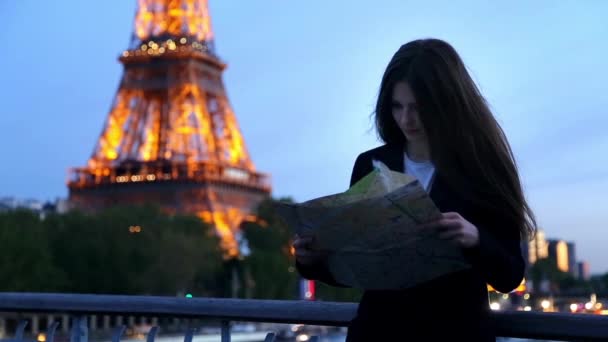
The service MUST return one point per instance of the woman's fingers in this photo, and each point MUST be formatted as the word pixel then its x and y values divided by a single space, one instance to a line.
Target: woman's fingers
pixel 450 234
pixel 451 215
pixel 442 224
pixel 448 227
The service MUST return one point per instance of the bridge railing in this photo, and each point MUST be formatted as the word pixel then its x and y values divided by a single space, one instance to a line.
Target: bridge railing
pixel 518 324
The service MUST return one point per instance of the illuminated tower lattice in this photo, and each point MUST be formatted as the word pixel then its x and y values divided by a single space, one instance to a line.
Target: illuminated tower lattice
pixel 171 137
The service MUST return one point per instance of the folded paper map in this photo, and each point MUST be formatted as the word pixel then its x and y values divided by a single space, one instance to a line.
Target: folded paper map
pixel 371 232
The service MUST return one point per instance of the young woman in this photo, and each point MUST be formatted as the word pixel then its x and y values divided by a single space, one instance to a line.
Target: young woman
pixel 436 126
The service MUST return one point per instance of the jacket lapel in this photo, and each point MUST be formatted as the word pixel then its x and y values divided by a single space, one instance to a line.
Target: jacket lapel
pixel 394 158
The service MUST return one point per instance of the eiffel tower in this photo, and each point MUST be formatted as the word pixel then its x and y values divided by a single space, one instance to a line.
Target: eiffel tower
pixel 171 136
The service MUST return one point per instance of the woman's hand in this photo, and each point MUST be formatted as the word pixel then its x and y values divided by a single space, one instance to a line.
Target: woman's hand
pixel 451 226
pixel 305 255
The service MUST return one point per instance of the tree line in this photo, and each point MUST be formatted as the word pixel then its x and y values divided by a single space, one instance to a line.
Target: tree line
pixel 140 250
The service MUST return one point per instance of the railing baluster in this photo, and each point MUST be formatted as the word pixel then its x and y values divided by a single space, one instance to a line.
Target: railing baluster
pixel 118 331
pixel 152 334
pixel 50 332
pixel 270 337
pixel 225 331
pixel 79 329
pixel 20 330
pixel 189 334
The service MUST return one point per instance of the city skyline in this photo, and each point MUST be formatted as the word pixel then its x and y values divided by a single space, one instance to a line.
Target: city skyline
pixel 303 83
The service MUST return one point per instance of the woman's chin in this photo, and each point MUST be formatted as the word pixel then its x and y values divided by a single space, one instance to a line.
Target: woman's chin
pixel 414 137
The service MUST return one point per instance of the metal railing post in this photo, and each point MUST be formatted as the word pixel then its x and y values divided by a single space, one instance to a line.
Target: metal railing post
pixel 270 337
pixel 117 334
pixel 152 334
pixel 189 335
pixel 50 331
pixel 225 331
pixel 80 332
pixel 20 330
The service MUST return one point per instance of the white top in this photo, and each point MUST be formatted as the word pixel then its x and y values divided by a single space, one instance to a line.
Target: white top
pixel 423 171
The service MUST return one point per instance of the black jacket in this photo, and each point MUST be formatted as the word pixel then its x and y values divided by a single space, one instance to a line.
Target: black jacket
pixel 451 308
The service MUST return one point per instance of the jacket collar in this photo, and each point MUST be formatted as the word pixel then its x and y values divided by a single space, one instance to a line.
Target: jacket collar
pixel 394 158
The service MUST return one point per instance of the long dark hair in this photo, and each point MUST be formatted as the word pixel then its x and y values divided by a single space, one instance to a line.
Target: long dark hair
pixel 468 147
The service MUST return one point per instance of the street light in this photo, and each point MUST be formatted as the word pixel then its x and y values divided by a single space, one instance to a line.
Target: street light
pixel 545 304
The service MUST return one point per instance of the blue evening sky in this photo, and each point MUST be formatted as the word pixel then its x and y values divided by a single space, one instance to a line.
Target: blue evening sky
pixel 302 78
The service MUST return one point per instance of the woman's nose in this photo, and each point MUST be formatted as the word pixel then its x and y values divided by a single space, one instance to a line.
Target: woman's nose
pixel 406 117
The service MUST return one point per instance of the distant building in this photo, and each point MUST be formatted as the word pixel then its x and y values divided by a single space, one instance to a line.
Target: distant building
pixel 525 251
pixel 584 272
pixel 572 266
pixel 62 206
pixel 537 248
pixel 40 207
pixel 31 204
pixel 8 202
pixel 14 203
pixel 558 253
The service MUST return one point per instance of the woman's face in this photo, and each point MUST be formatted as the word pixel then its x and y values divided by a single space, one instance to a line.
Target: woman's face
pixel 405 113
